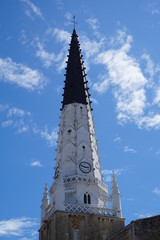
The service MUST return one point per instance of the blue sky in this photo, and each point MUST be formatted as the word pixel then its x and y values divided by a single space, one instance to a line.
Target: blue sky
pixel 120 46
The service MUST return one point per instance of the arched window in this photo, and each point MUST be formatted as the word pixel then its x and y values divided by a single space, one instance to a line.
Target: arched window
pixel 87 198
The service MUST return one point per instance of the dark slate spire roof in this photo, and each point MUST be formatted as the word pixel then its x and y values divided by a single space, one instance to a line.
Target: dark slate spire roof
pixel 76 89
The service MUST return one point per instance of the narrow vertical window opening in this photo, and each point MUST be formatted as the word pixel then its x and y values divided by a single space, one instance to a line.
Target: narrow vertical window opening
pixel 87 198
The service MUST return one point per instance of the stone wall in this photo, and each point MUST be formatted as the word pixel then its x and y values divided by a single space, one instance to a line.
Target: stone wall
pixel 142 229
pixel 72 226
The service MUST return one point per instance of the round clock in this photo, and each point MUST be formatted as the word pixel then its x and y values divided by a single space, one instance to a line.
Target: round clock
pixel 85 167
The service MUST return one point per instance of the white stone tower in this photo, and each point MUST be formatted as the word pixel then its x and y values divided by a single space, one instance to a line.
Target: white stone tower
pixel 78 185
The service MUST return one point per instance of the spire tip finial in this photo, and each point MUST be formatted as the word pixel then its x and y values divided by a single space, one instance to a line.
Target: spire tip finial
pixel 74 21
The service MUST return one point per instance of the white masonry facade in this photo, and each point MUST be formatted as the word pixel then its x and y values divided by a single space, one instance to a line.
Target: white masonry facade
pixel 78 185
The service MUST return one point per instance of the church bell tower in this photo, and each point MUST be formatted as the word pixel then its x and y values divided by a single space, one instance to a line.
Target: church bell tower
pixel 78 207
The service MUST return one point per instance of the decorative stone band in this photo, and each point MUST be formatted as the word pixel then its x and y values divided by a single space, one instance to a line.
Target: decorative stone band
pixel 91 210
pixel 86 180
pixel 107 212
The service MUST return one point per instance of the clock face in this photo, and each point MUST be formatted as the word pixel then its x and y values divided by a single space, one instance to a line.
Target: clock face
pixel 85 167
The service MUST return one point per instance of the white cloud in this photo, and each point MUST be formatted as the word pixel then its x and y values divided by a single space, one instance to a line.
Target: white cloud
pixel 3 107
pixel 46 57
pixel 19 125
pixel 59 4
pixel 108 173
pixel 93 22
pixel 21 75
pixel 19 227
pixel 156 191
pixel 49 135
pixel 36 164
pixel 117 139
pixel 158 152
pixel 128 199
pixel 149 122
pixel 21 121
pixel 60 35
pixel 134 86
pixel 129 85
pixel 93 100
pixel 23 37
pixel 156 99
pixel 7 123
pixel 127 80
pixel 33 10
pixel 143 215
pixel 149 65
pixel 17 119
pixel 90 47
pixel 153 7
pixel 118 38
pixel 102 86
pixel 14 111
pixel 50 58
pixel 68 16
pixel 129 149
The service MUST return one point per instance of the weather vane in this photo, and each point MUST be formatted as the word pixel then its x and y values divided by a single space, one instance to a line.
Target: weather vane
pixel 74 21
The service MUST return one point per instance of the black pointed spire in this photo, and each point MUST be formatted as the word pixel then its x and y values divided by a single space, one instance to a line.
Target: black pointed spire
pixel 75 89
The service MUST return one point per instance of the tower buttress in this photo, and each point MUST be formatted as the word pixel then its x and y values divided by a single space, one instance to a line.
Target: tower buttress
pixel 45 203
pixel 115 196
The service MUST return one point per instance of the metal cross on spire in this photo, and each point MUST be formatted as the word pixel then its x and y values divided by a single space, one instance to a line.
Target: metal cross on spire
pixel 74 21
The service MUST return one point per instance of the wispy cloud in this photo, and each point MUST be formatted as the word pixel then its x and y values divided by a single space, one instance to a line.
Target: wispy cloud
pixel 131 84
pixel 21 75
pixel 90 47
pixel 156 99
pixel 93 22
pixel 36 164
pixel 156 191
pixel 32 10
pixel 93 100
pixel 117 139
pixel 59 4
pixel 47 58
pixel 68 16
pixel 50 135
pixel 57 58
pixel 14 111
pixel 21 121
pixel 153 7
pixel 125 75
pixel 17 119
pixel 129 149
pixel 158 152
pixel 3 107
pixel 149 65
pixel 23 38
pixel 20 227
pixel 143 215
pixel 108 173
pixel 60 35
pixel 128 199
